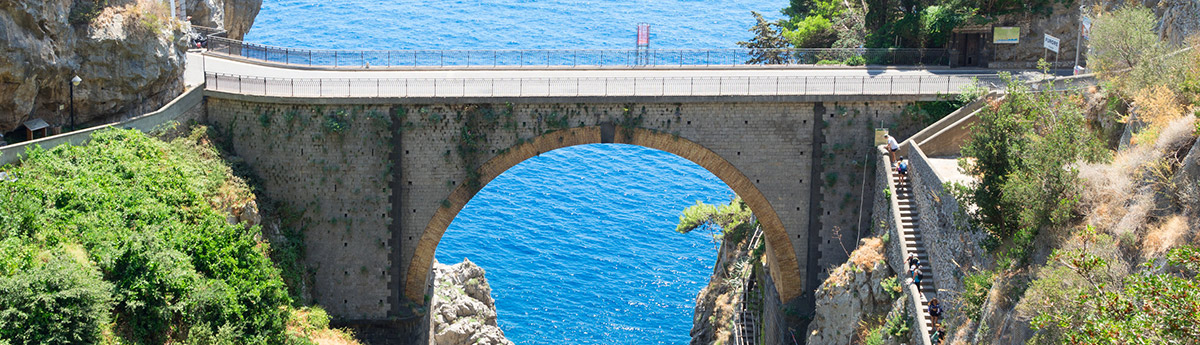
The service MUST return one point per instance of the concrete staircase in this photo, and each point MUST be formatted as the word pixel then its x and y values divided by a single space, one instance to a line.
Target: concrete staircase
pixel 914 244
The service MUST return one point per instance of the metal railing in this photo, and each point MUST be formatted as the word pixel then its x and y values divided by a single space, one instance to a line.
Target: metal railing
pixel 210 32
pixel 570 57
pixel 603 86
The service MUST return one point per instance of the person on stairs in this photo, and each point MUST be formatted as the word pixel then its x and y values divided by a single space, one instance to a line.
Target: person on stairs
pixel 892 146
pixel 935 311
pixel 902 168
pixel 913 262
pixel 938 334
pixel 916 277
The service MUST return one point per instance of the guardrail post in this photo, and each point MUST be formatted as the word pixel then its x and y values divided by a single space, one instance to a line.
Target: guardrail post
pixel 239 84
pixel 310 58
pixel 293 87
pixel 287 56
pixel 864 85
pixel 264 86
pixel 947 84
pixel 335 58
pixel 920 80
pixel 835 85
pixel 805 85
pixel 321 87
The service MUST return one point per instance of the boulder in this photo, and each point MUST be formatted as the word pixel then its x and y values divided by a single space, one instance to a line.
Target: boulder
pixel 463 311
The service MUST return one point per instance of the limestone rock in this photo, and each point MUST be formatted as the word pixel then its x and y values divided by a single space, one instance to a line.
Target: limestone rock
pixel 235 16
pixel 463 311
pixel 130 56
pixel 852 293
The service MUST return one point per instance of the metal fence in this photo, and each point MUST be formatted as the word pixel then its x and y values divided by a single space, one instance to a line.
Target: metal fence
pixel 583 87
pixel 572 57
pixel 210 32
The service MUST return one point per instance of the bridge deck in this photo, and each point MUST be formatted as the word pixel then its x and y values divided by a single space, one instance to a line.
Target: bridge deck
pixel 242 77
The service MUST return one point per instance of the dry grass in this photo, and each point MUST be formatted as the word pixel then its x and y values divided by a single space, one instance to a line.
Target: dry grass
pixel 313 324
pixel 864 258
pixel 1168 234
pixel 1157 106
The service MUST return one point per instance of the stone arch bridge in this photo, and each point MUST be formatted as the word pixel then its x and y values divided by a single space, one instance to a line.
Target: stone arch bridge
pixel 379 176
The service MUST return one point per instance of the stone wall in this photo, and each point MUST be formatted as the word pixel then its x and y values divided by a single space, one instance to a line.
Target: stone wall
pixel 331 163
pixel 952 244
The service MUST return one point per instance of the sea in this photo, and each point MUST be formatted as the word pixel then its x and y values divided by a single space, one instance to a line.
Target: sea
pixel 578 243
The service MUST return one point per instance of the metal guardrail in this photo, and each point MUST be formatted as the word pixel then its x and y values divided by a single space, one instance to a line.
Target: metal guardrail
pixel 605 86
pixel 569 57
pixel 210 32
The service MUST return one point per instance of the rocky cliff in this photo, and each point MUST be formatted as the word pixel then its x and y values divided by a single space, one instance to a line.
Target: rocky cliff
pixel 129 53
pixel 854 295
pixel 235 16
pixel 463 311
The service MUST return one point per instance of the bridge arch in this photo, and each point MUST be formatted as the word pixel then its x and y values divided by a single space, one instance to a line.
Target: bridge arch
pixel 785 267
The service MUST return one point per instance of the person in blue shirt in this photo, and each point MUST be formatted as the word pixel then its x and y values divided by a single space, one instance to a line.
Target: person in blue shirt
pixel 902 168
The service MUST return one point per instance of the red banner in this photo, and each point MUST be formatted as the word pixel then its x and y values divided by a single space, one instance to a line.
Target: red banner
pixel 643 34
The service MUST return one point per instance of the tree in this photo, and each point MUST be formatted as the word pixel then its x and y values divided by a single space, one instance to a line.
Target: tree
pixel 1023 150
pixel 768 45
pixel 1124 39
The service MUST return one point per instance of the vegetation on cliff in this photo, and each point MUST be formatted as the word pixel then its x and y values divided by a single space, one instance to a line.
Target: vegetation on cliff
pixel 128 240
pixel 1093 233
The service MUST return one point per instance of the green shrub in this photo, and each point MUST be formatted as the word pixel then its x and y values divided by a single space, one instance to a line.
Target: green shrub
pixel 151 282
pixel 856 60
pixel 59 302
pixel 975 292
pixel 892 286
pixel 84 11
pixel 140 208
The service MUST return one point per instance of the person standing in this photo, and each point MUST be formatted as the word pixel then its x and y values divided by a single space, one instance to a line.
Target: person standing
pixel 935 311
pixel 893 146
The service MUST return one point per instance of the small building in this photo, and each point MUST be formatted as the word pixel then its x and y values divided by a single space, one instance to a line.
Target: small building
pixel 36 128
pixel 971 46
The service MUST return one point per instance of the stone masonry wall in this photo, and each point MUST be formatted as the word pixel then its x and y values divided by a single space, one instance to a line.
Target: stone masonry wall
pixel 952 244
pixel 331 162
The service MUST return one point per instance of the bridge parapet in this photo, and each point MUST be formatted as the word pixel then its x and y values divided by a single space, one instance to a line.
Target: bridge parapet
pixel 574 58
pixel 901 85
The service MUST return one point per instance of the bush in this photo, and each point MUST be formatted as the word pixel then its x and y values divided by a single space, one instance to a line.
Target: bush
pixel 151 281
pixel 975 292
pixel 143 210
pixel 84 11
pixel 59 302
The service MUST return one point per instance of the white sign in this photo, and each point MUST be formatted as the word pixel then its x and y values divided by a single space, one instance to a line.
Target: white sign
pixel 1051 42
pixel 1085 27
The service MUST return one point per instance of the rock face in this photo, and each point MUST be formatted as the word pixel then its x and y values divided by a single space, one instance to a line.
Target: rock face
pixel 463 311
pixel 235 16
pixel 129 54
pixel 853 292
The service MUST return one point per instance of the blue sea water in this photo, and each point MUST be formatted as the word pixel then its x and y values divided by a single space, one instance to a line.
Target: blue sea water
pixel 578 243
pixel 506 24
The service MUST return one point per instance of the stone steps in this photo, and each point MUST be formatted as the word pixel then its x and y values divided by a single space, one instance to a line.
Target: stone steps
pixel 908 220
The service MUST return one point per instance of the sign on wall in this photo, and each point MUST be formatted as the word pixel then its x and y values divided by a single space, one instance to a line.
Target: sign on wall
pixel 1051 43
pixel 1006 35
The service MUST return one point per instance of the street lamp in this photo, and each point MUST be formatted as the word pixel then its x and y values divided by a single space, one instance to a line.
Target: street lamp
pixel 74 81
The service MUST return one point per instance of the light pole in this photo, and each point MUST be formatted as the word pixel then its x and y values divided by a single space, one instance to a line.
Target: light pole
pixel 74 81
